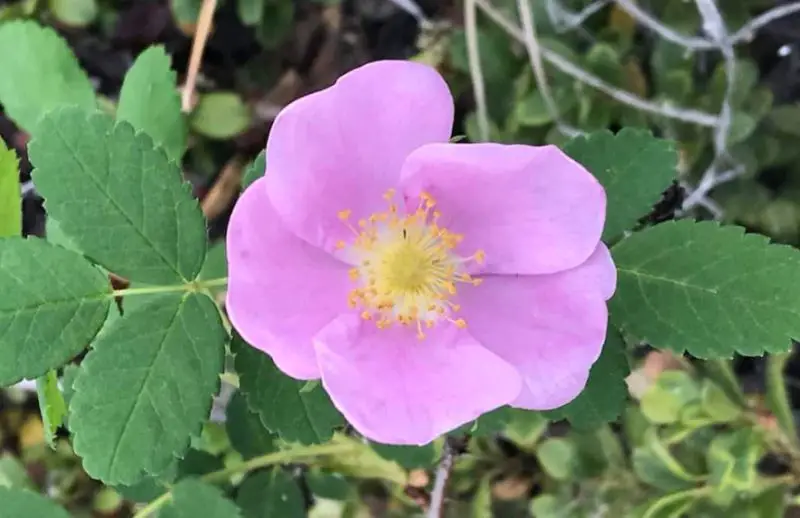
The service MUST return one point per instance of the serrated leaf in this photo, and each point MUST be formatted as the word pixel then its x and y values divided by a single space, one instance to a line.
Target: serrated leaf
pixel 604 397
pixel 707 289
pixel 270 494
pixel 306 417
pixel 633 166
pixel 51 405
pixel 192 498
pixel 17 503
pixel 149 101
pixel 255 170
pixel 147 386
pixel 10 196
pixel 221 115
pixel 40 74
pixel 248 436
pixel 53 303
pixel 118 198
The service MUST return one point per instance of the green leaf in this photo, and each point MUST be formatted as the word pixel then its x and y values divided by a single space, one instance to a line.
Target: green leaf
pixel 75 13
pixel 717 405
pixel 327 485
pixel 248 436
pixel 147 386
pixel 525 427
pixel 250 11
pixel 255 170
pixel 53 303
pixel 675 505
pixel 192 498
pixel 633 166
pixel 149 101
pixel 271 494
pixel 732 459
pixel 40 74
pixel 558 458
pixel 533 110
pixel 221 115
pixel 197 463
pixel 18 503
pixel 656 466
pixel 786 118
pixel 668 397
pixel 215 266
pixel 407 456
pixel 13 474
pixel 51 405
pixel 604 397
pixel 306 417
pixel 10 196
pixel 132 214
pixel 707 289
pixel 742 126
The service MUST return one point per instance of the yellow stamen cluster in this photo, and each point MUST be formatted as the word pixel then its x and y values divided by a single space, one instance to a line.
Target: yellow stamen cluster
pixel 407 271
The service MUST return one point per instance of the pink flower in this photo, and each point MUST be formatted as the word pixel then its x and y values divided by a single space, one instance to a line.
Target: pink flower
pixel 424 282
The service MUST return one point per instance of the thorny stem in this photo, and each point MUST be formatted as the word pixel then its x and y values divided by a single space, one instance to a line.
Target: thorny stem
pixel 281 457
pixel 192 286
pixel 436 509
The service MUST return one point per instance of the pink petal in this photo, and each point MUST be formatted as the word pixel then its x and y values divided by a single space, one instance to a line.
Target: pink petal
pixel 281 290
pixel 598 271
pixel 343 147
pixel 397 389
pixel 533 210
pixel 551 327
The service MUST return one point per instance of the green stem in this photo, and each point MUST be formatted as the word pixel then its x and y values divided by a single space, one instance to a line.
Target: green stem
pixel 192 286
pixel 777 398
pixel 280 457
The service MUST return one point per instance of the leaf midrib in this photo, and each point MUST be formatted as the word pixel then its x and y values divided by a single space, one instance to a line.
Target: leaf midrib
pixel 113 458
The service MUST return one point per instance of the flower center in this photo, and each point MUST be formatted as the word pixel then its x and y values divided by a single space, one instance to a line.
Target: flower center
pixel 407 271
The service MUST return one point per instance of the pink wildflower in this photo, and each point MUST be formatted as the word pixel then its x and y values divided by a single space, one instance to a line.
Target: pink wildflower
pixel 424 282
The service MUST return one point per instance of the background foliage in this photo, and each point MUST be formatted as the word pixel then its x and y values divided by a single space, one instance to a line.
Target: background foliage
pixel 713 436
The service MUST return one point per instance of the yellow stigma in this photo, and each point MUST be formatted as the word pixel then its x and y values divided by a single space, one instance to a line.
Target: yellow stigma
pixel 407 271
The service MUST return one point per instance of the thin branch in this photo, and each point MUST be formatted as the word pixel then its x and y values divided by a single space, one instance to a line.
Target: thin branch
pixel 664 109
pixel 644 18
pixel 475 70
pixel 436 509
pixel 564 20
pixel 715 27
pixel 535 57
pixel 198 46
pixel 748 30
